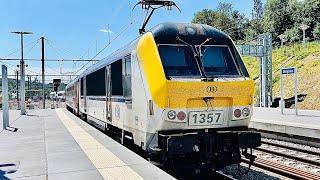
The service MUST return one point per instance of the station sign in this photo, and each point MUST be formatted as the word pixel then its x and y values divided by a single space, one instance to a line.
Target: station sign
pixel 285 71
pixel 288 70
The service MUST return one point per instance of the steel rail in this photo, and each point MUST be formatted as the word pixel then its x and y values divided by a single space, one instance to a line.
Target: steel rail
pixel 283 170
pixel 291 148
pixel 308 161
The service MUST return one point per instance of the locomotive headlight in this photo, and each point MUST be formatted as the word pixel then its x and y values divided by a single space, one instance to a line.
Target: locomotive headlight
pixel 245 112
pixel 172 115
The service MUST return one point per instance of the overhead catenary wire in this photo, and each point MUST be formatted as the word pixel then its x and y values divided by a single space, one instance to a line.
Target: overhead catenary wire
pixel 55 50
pixel 1 59
pixel 52 69
pixel 51 75
pixel 32 47
pixel 35 59
pixel 59 46
pixel 123 31
pixel 8 66
pixel 20 49
pixel 108 23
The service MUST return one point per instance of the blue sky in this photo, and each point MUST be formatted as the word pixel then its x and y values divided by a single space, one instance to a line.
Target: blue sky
pixel 75 25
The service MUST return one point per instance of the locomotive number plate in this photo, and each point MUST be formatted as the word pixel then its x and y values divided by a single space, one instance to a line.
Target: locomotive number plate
pixel 205 118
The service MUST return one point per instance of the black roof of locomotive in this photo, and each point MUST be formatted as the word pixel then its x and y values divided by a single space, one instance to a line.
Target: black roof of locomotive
pixel 168 32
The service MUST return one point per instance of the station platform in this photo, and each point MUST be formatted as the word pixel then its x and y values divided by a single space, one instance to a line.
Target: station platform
pixel 55 144
pixel 305 124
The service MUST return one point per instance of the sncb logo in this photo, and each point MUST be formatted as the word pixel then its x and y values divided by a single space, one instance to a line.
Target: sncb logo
pixel 212 89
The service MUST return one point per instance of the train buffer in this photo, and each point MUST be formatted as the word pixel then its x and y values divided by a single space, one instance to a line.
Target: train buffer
pixel 303 128
pixel 54 144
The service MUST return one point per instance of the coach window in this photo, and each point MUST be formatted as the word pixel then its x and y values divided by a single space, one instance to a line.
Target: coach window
pixel 81 87
pixel 116 78
pixel 127 76
pixel 95 83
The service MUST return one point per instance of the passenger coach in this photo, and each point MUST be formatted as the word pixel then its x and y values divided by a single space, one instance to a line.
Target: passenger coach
pixel 180 90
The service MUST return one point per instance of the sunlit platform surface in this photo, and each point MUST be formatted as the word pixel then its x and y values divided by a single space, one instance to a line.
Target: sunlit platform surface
pixel 55 144
pixel 306 123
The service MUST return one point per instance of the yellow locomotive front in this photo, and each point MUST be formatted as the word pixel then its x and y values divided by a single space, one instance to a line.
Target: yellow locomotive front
pixel 201 95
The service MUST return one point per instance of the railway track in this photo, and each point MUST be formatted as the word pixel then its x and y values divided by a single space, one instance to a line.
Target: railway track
pixel 291 148
pixel 297 163
pixel 301 158
pixel 283 170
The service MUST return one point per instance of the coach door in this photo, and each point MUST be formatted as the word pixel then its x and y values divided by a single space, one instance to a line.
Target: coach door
pixel 85 94
pixel 108 93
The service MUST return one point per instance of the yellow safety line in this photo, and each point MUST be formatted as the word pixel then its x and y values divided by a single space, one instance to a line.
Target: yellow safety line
pixel 108 164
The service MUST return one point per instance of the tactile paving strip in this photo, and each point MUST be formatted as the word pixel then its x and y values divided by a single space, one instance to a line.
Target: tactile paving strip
pixel 108 164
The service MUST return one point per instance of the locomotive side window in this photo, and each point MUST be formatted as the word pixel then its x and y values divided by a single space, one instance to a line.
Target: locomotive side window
pixel 127 76
pixel 116 78
pixel 95 83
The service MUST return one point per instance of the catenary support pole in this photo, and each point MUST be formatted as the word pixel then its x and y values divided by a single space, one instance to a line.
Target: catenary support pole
pixel 22 75
pixel 5 100
pixel 22 81
pixel 17 86
pixel 43 80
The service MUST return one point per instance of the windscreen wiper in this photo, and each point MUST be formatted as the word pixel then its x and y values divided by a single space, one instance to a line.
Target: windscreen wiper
pixel 200 52
pixel 195 56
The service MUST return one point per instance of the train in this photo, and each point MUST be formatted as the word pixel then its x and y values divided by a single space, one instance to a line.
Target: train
pixel 180 92
pixel 58 96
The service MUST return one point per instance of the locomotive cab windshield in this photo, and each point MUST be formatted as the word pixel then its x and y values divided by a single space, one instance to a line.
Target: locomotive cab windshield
pixel 204 53
pixel 216 61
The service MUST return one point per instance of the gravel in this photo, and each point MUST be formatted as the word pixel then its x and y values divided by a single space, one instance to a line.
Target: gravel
pixel 254 173
pixel 290 162
pixel 293 144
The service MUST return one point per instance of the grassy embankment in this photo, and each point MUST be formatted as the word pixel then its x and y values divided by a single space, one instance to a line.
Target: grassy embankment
pixel 307 59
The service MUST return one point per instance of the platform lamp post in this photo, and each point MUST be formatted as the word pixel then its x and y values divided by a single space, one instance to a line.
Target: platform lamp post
pixel 22 75
pixel 304 27
pixel 282 38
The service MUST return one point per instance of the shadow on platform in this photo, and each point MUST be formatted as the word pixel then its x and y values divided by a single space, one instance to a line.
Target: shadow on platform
pixel 289 103
pixel 12 129
pixel 33 115
pixel 2 175
pixel 5 169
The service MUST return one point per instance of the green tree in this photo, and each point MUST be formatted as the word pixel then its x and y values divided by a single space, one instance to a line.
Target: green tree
pixel 224 18
pixel 257 8
pixel 293 34
pixel 316 31
pixel 311 12
pixel 278 18
pixel 225 8
pixel 295 8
